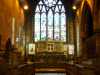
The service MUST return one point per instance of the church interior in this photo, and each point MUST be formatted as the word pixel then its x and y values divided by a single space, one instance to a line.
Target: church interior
pixel 49 37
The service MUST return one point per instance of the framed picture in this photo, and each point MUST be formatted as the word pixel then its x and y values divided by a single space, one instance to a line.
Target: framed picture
pixel 31 49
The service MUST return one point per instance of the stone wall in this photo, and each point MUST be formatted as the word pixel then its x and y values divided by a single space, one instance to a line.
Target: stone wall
pixel 8 10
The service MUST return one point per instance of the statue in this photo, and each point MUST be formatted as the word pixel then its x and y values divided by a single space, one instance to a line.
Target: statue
pixel 8 49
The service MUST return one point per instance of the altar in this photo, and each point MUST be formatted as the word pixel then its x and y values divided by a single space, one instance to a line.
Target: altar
pixel 50 46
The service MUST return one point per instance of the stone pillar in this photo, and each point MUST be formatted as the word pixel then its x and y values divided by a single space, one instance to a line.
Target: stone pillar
pixel 97 36
pixel 96 17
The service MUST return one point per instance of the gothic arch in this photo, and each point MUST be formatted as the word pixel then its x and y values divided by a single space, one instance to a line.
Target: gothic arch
pixel 48 20
pixel 87 21
pixel 86 30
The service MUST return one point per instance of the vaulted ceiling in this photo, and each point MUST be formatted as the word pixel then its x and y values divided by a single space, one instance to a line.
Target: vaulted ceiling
pixel 32 3
pixel 67 3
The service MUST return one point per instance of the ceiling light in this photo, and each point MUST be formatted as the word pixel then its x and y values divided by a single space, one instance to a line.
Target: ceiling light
pixel 25 7
pixel 74 7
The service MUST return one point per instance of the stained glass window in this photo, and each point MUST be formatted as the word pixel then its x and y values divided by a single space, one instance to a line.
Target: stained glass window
pixel 50 20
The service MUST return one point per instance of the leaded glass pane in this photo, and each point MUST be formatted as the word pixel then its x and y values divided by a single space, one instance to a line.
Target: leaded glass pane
pixel 56 26
pixel 63 35
pixel 50 3
pixel 56 19
pixel 59 3
pixel 40 2
pixel 60 7
pixel 63 21
pixel 40 7
pixel 56 9
pixel 43 9
pixel 43 26
pixel 37 26
pixel 51 15
pixel 63 9
pixel 37 9
pixel 50 24
pixel 63 27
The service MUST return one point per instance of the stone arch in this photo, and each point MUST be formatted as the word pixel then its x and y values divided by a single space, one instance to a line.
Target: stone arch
pixel 87 21
pixel 86 29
